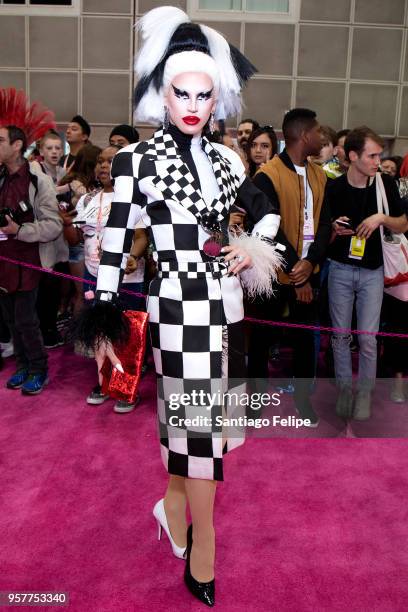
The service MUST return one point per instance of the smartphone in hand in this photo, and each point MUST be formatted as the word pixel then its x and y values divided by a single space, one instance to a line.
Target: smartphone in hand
pixel 345 224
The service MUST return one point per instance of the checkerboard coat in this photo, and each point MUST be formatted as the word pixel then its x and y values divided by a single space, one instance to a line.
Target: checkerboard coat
pixel 195 308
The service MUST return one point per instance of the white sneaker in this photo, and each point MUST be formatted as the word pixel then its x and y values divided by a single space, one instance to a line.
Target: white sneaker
pixel 362 406
pixel 398 394
pixel 96 397
pixel 7 349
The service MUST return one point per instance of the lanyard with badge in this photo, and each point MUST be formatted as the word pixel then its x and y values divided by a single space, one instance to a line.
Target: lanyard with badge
pixel 357 248
pixel 357 245
pixel 308 221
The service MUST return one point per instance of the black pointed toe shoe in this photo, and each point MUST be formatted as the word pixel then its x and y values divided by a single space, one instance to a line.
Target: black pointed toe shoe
pixel 204 591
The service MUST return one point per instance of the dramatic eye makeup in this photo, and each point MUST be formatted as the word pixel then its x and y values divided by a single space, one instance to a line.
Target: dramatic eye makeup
pixel 205 95
pixel 181 93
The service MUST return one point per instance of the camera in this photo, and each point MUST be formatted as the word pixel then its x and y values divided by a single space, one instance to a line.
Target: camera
pixel 16 215
pixel 3 213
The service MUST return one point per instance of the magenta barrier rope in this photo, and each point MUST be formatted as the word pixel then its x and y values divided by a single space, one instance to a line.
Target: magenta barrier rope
pixel 342 330
pixel 62 274
pixel 320 328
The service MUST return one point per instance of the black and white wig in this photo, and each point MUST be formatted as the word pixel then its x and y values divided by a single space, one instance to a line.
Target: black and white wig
pixel 172 45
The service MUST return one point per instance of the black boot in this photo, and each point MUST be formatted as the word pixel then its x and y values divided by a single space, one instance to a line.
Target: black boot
pixel 204 591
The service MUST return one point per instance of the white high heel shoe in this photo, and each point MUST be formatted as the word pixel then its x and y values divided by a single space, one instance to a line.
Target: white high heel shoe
pixel 161 518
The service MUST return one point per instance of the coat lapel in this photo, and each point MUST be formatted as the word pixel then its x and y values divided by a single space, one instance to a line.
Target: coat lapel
pixel 174 178
pixel 176 182
pixel 227 181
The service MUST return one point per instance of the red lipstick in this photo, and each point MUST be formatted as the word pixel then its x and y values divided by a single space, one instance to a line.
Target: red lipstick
pixel 191 120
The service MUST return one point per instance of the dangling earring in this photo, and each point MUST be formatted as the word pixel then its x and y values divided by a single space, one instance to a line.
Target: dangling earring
pixel 166 119
pixel 211 125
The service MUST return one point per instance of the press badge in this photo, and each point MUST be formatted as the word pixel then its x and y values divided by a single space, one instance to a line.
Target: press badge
pixel 357 247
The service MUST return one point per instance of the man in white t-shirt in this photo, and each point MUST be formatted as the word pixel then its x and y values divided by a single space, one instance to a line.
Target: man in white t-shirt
pixel 297 188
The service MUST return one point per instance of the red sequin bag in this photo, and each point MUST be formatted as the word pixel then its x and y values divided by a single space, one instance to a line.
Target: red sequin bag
pixel 124 386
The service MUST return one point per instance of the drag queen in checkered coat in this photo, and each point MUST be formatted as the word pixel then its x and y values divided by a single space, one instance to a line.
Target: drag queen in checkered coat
pixel 179 187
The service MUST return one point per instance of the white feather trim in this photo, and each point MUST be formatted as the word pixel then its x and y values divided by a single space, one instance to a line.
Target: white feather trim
pixel 156 28
pixel 266 261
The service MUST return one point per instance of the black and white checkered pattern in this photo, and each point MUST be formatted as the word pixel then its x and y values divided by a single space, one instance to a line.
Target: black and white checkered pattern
pixel 188 334
pixel 176 182
pixel 228 182
pixel 162 146
pixel 189 269
pixel 195 309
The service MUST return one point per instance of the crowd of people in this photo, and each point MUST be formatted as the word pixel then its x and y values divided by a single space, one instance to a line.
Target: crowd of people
pixel 322 184
pixel 68 223
pixel 336 285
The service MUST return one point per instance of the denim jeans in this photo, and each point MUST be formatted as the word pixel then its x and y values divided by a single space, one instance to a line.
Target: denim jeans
pixel 76 253
pixel 348 283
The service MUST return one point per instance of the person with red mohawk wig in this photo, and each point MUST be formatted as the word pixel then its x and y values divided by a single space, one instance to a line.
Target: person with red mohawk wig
pixel 29 228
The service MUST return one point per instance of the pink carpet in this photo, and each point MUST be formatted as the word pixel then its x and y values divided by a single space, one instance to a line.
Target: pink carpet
pixel 302 525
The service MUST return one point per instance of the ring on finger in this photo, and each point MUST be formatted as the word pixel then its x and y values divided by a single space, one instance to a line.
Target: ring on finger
pixel 240 258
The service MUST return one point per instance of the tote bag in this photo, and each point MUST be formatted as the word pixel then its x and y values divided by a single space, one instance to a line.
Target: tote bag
pixel 394 246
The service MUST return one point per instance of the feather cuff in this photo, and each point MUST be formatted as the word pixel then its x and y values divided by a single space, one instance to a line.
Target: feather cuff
pixel 266 260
